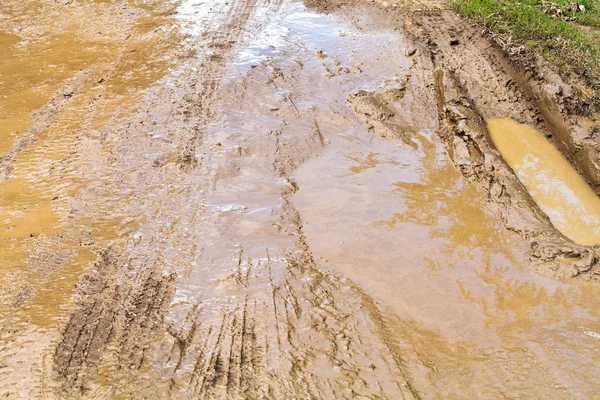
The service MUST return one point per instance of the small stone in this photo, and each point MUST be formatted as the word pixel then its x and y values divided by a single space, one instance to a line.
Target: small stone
pixel 454 42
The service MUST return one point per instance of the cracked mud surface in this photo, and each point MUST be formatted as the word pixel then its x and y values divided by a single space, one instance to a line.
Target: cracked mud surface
pixel 278 199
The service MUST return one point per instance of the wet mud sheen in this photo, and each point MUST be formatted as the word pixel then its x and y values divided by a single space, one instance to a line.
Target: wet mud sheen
pixel 283 199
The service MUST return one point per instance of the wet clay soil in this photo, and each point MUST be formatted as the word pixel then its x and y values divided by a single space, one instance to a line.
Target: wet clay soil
pixel 274 199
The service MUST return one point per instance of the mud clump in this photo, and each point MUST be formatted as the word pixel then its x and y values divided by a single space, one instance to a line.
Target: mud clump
pixel 371 105
pixel 382 113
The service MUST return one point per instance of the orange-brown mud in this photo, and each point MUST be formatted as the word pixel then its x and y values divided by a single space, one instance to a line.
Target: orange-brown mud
pixel 278 199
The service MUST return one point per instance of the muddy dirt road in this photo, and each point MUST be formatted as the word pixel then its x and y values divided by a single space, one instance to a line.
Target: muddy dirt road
pixel 279 199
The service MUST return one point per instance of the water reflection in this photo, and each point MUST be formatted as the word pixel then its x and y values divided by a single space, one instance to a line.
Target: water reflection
pixel 365 162
pixel 530 323
pixel 443 201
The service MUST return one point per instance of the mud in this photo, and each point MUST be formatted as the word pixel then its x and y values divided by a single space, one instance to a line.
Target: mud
pixel 275 199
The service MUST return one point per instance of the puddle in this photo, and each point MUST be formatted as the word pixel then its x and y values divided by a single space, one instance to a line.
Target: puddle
pixel 418 238
pixel 32 72
pixel 412 232
pixel 567 199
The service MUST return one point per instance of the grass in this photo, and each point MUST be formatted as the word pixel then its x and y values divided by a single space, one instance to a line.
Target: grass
pixel 564 43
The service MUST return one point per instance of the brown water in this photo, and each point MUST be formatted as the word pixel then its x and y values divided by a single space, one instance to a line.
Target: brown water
pixel 433 254
pixel 571 204
pixel 258 239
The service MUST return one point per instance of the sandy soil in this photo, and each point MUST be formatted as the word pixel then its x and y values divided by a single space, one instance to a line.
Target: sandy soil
pixel 281 199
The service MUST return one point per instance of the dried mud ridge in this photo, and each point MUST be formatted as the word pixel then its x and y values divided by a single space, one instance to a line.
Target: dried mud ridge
pixel 558 108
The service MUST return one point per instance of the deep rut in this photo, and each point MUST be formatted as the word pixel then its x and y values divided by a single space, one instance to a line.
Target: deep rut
pixel 473 82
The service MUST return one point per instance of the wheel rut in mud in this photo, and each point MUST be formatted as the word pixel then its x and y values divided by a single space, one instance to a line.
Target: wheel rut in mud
pixel 474 81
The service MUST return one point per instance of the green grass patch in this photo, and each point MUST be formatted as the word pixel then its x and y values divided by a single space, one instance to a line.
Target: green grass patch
pixel 559 39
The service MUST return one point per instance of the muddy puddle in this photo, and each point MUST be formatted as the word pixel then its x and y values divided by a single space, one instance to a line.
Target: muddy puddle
pixel 571 204
pixel 248 199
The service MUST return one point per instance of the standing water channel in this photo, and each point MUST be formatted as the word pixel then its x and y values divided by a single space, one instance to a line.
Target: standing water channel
pixel 558 189
pixel 250 201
